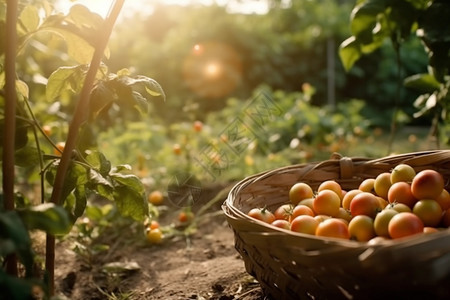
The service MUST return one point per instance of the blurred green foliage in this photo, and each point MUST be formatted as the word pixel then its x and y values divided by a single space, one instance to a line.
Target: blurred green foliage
pixel 283 49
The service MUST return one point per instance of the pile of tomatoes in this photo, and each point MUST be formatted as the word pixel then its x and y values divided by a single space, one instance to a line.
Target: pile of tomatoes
pixel 393 205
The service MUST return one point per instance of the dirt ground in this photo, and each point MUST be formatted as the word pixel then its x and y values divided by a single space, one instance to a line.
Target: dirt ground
pixel 204 265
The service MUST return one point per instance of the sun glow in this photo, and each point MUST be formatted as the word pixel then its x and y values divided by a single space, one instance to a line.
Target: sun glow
pixel 102 7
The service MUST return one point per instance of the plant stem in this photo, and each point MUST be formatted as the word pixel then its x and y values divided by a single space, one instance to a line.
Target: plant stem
pixel 10 119
pixel 79 117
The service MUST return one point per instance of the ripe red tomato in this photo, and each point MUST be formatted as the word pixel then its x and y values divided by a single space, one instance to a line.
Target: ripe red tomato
pixel 427 184
pixel 198 126
pixel 153 224
pixel 405 224
pixel 185 216
pixel 365 203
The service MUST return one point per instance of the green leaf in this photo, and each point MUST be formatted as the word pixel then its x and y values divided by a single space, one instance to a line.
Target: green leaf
pixel 123 177
pixel 100 185
pixel 424 83
pixel 129 193
pixel 27 157
pixel 22 89
pixel 78 48
pixel 13 228
pixel 130 203
pixel 16 239
pixel 76 175
pixel 99 162
pixel 81 16
pixel 29 18
pixel 349 52
pixel 364 19
pixel 47 217
pixel 101 99
pixel 80 201
pixel 64 79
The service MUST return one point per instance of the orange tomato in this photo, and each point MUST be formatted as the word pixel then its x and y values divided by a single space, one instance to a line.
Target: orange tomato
pixel 327 202
pixel 302 210
pixel 177 149
pixel 365 203
pixel 156 197
pixel 334 228
pixel 154 236
pixel 153 224
pixel 401 192
pixel 405 224
pixel 198 126
pixel 331 185
pixel 59 148
pixel 262 214
pixel 304 224
pixel 444 199
pixel 283 212
pixel 47 129
pixel 284 224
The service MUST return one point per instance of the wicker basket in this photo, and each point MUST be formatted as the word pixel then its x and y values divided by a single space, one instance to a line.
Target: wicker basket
pixel 291 265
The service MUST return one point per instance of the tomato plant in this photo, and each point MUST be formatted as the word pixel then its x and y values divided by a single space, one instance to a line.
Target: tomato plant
pixel 79 170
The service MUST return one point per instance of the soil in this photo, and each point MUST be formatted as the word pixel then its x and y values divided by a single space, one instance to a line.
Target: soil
pixel 202 265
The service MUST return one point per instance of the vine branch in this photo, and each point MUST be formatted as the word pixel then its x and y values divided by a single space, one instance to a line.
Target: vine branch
pixel 79 117
pixel 10 118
